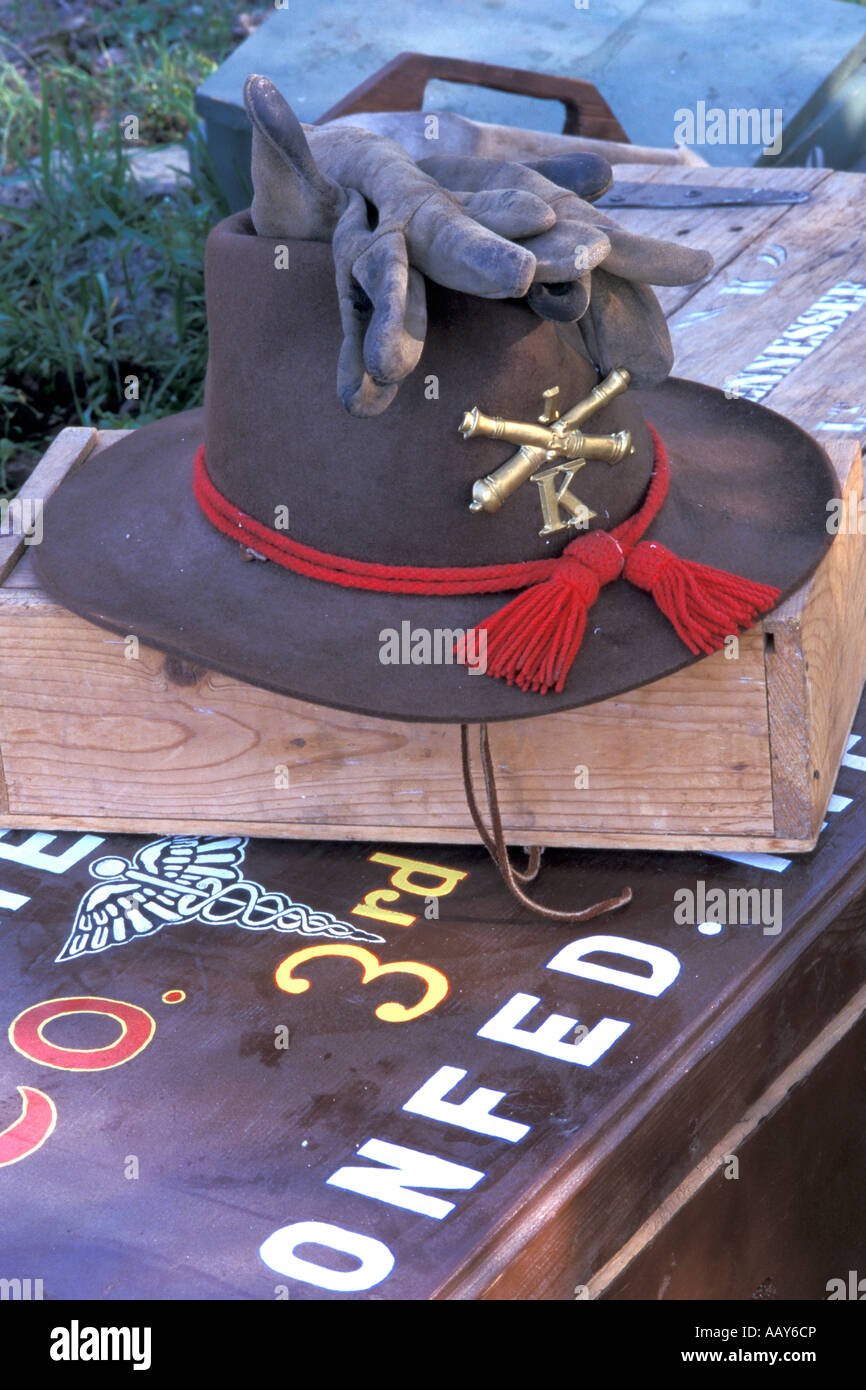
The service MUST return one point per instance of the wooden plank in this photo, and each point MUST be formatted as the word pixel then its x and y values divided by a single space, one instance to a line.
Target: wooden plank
pixel 789 735
pixel 722 330
pixel 21 576
pixel 321 831
pixel 728 233
pixel 71 447
pixel 128 735
pixel 820 629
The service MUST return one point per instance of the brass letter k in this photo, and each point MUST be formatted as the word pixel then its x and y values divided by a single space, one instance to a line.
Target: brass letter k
pixel 553 498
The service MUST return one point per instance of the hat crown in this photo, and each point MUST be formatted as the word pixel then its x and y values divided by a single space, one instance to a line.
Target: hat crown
pixel 394 488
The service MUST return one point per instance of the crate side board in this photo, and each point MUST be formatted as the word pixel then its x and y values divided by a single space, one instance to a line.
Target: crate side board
pixel 136 746
pixel 816 665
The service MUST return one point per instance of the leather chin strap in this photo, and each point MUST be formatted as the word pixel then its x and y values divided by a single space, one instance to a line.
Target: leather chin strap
pixel 494 840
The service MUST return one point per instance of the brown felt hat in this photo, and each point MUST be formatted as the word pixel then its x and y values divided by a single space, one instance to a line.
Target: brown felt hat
pixel 127 546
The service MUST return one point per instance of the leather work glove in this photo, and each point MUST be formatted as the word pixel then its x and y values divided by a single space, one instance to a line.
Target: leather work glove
pixel 390 225
pixel 591 274
pixel 485 227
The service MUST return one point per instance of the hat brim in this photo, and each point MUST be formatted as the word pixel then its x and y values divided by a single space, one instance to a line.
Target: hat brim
pixel 126 546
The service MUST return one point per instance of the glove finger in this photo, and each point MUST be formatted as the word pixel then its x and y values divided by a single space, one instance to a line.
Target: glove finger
pixel 510 212
pixel 561 303
pixel 464 173
pixel 291 196
pixel 360 394
pixel 632 257
pixel 444 243
pixel 652 261
pixel 624 327
pixel 395 334
pixel 570 249
pixel 456 251
pixel 587 175
pixel 467 173
pixel 367 398
pixel 573 244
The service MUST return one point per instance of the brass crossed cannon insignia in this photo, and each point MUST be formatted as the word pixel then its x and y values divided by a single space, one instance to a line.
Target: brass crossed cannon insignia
pixel 555 441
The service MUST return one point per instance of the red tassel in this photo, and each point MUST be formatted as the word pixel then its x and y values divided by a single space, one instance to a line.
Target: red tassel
pixel 704 605
pixel 533 640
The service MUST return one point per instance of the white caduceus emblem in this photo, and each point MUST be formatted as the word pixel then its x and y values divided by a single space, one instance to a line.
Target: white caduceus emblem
pixel 187 878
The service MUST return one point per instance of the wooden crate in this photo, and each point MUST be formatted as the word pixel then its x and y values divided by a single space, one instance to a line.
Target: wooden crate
pixel 740 754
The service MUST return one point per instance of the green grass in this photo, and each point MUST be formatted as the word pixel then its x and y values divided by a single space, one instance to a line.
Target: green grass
pixel 97 283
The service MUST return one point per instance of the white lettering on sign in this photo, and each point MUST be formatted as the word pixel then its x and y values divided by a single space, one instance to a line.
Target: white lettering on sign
pixel 696 316
pixel 402 1172
pixel 31 852
pixel 548 1039
pixel 375 1260
pixel 12 901
pixel 475 1112
pixel 844 418
pixel 665 966
pixel 799 339
pixel 738 286
pixel 855 760
pixel 409 1169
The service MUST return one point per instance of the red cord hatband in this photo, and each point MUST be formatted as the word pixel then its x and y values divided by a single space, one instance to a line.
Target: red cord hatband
pixel 406 579
pixel 533 640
